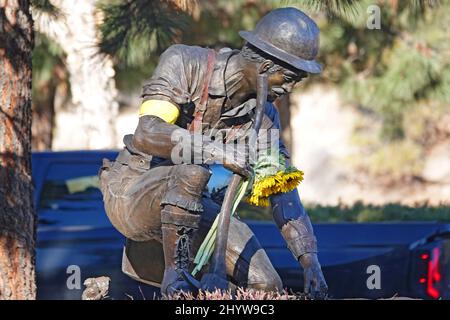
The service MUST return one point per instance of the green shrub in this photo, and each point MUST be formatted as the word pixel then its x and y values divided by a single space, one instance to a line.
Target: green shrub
pixel 359 212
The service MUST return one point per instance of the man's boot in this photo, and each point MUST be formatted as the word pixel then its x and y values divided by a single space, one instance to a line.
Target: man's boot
pixel 178 229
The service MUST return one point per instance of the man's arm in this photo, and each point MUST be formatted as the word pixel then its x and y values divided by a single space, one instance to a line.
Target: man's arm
pixel 295 225
pixel 157 137
pixel 153 136
pixel 293 221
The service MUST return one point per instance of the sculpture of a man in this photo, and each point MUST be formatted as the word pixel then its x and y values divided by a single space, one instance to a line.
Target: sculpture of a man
pixel 195 92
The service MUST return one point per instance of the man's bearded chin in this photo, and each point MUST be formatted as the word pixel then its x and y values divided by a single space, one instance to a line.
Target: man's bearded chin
pixel 274 93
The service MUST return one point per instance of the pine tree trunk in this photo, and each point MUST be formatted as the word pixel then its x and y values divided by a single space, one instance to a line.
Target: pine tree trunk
pixel 91 76
pixel 17 218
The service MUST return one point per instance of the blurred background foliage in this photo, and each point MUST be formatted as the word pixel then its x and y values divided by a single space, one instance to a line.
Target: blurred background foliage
pixel 398 76
pixel 47 57
pixel 358 212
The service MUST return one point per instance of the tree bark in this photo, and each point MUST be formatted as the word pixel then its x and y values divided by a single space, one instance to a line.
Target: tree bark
pixel 17 218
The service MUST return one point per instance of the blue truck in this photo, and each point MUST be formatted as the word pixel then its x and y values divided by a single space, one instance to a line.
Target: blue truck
pixel 75 241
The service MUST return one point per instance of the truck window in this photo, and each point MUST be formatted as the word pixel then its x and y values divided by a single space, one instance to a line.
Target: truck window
pixel 70 185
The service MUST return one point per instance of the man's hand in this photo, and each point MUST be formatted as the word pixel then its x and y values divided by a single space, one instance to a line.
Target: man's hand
pixel 315 285
pixel 232 157
pixel 241 169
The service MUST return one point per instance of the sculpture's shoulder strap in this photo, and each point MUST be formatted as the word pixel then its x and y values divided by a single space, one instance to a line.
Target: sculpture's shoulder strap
pixel 201 106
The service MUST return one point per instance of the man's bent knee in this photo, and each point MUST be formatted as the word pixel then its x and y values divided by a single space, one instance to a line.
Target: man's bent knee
pixel 270 282
pixel 185 187
pixel 262 275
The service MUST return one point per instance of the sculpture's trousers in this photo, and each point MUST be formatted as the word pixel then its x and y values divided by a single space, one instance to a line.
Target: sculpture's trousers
pixel 134 199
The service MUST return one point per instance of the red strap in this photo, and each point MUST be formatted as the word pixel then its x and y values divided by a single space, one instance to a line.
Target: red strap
pixel 201 106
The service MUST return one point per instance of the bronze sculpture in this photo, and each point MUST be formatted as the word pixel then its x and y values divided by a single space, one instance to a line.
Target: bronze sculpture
pixel 194 94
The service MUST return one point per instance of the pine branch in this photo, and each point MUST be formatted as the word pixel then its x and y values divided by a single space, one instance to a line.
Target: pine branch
pixel 351 8
pixel 188 6
pixel 45 6
pixel 133 29
pixel 424 4
pixel 332 8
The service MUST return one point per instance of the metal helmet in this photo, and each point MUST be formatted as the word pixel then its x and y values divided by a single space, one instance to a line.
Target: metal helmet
pixel 288 35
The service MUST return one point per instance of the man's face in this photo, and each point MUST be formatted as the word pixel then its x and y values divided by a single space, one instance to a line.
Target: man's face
pixel 283 81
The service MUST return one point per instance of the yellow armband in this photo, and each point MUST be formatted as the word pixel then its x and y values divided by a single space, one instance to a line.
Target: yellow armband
pixel 161 109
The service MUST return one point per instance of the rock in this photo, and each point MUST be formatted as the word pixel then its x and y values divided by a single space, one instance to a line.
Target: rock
pixel 96 288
